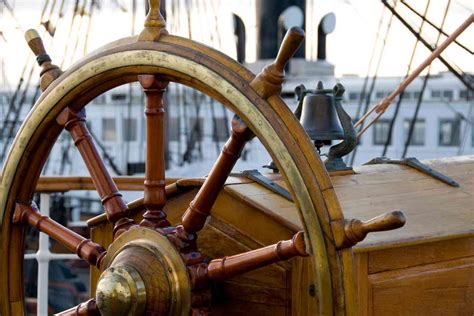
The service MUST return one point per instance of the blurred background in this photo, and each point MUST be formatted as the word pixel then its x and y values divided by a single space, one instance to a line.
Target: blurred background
pixel 369 46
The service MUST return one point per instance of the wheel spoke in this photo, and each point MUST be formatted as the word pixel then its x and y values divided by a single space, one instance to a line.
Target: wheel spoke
pixel 84 248
pixel 200 207
pixel 228 267
pixel 154 193
pixel 88 308
pixel 115 207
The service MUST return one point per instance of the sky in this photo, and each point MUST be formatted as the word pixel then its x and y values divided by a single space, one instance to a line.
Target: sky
pixel 350 46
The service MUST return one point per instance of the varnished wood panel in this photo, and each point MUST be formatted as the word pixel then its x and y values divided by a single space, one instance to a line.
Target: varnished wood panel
pixel 445 288
pixel 268 286
pixel 304 298
pixel 434 210
pixel 399 258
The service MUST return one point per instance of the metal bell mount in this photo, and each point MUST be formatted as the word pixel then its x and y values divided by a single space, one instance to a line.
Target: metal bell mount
pixel 323 118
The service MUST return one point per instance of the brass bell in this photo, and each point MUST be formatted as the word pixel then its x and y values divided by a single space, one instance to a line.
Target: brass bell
pixel 323 118
pixel 319 117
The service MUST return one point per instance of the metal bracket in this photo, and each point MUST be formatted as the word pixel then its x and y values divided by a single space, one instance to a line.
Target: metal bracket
pixel 256 176
pixel 415 164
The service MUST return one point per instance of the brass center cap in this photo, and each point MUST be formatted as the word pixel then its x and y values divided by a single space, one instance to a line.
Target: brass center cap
pixel 145 274
pixel 121 291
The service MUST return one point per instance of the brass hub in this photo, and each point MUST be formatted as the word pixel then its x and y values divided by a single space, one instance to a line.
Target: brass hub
pixel 121 291
pixel 144 274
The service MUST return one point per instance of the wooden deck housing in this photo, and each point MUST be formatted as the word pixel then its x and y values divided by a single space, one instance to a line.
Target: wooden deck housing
pixel 424 268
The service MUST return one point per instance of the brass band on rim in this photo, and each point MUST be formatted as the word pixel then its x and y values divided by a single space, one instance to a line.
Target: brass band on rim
pixel 154 59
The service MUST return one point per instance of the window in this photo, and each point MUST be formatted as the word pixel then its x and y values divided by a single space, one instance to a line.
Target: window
pixel 196 128
pixel 380 95
pixel 472 132
pixel 173 128
pixel 100 99
pixel 448 95
pixel 464 95
pixel 418 134
pixel 138 98
pixel 449 132
pixel 109 129
pixel 119 97
pixel 407 95
pixel 416 95
pixel 89 127
pixel 354 96
pixel 129 130
pixel 221 129
pixel 3 98
pixel 381 132
pixel 436 94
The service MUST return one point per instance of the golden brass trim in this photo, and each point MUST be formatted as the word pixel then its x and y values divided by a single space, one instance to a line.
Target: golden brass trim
pixel 121 291
pixel 167 255
pixel 66 90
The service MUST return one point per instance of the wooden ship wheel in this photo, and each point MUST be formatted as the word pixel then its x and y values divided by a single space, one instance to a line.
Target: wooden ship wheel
pixel 148 265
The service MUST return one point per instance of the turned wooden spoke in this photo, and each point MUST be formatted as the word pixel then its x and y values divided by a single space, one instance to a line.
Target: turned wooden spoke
pixel 154 192
pixel 200 207
pixel 228 267
pixel 88 308
pixel 75 123
pixel 84 248
pixel 267 83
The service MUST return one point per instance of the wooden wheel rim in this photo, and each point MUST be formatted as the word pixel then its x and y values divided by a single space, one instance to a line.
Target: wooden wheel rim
pixel 269 119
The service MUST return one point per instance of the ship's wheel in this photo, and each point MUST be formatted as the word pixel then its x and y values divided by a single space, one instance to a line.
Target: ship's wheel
pixel 152 267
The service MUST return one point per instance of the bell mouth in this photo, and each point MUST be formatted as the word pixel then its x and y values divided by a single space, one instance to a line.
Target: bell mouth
pixel 325 136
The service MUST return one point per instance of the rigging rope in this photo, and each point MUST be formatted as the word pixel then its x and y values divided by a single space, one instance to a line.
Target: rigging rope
pixel 374 79
pixel 66 48
pixel 367 76
pixel 422 91
pixel 400 97
pixel 130 94
pixel 366 79
pixel 382 106
pixel 459 75
pixel 78 10
pixel 439 29
pixel 16 111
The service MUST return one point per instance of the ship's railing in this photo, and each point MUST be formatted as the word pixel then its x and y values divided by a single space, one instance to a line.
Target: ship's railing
pixel 45 188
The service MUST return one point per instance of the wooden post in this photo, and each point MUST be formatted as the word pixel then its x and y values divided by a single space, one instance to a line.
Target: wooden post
pixel 228 267
pixel 348 232
pixel 84 248
pixel 115 208
pixel 200 207
pixel 154 193
pixel 49 71
pixel 88 308
pixel 266 84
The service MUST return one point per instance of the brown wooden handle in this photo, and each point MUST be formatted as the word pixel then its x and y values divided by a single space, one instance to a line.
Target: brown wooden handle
pixel 290 44
pixel 85 248
pixel 200 207
pixel 154 17
pixel 228 267
pixel 49 72
pixel 75 123
pixel 154 192
pixel 88 308
pixel 35 42
pixel 269 82
pixel 355 230
pixel 387 221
